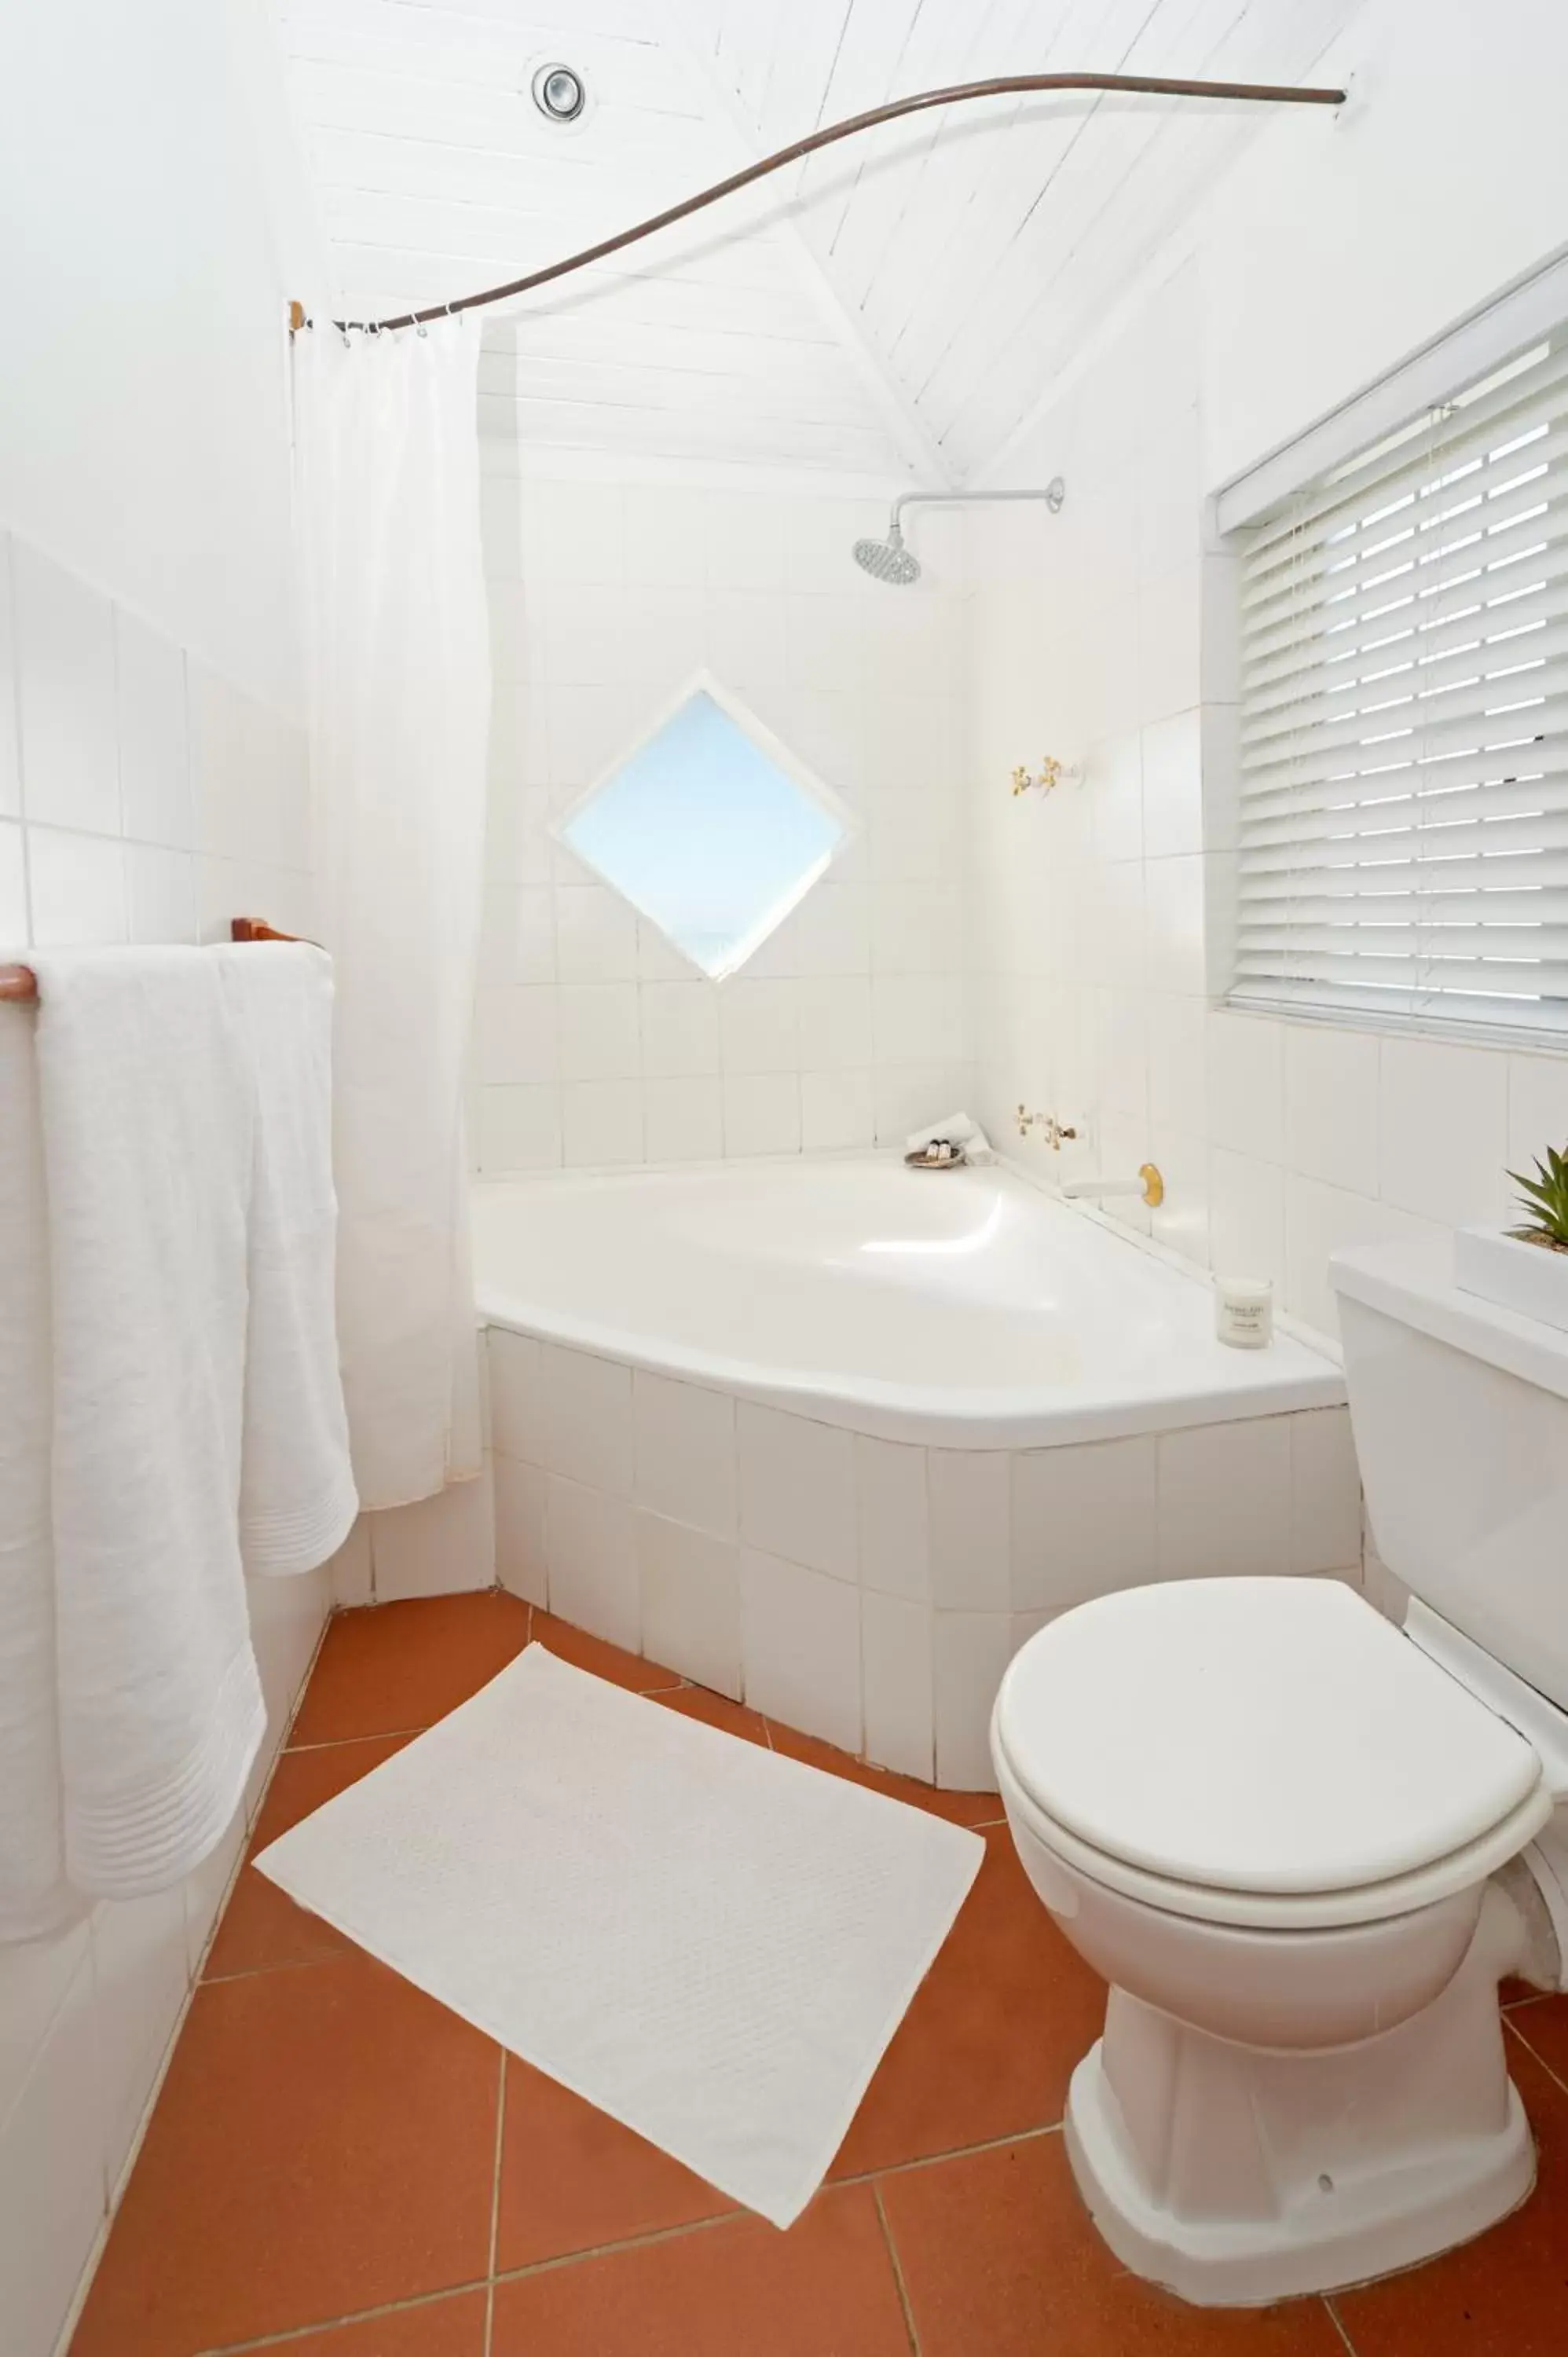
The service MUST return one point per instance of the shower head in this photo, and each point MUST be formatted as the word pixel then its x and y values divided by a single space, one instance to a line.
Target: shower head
pixel 888 560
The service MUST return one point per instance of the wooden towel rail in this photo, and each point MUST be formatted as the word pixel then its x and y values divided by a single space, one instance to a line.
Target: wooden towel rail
pixel 19 983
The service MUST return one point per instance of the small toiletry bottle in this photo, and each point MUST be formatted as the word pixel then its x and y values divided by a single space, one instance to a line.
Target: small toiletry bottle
pixel 1244 1311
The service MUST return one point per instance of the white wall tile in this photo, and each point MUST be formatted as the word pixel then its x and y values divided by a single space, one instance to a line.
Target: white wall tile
pixel 519 1130
pixel 160 893
pixel 686 1453
pixel 601 1122
pixel 1246 1085
pixel 349 1573
pixel 1225 1499
pixel 522 1559
pixel 800 1648
pixel 1172 787
pixel 517 934
pixel 679 1029
pixel 1321 1221
pixel 64 641
pixel 970 1522
pixel 1325 1492
pixel 443 1545
pixel 13 886
pixel 10 745
pixel 52 2177
pixel 759 1027
pixel 591 1550
pixel 683 1120
pixel 797 1488
pixel 1083 1522
pixel 596 935
pixel 1331 1105
pixel 156 804
pixel 971 1651
pixel 895 1675
pixel 690 1601
pixel 1246 1217
pixel 1537 1109
pixel 599 1036
pixel 516 1394
pixel 893 1525
pixel 35 1978
pixel 837 1111
pixel 587 1417
pixel 762 1113
pixel 515 1035
pixel 140 1970
pixel 1443 1130
pixel 78 887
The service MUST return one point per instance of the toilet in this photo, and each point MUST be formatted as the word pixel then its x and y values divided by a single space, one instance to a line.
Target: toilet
pixel 1305 1844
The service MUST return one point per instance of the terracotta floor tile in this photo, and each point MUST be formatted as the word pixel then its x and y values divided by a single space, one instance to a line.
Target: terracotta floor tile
pixel 826 2289
pixel 323 2143
pixel 1544 2026
pixel 1000 2260
pixel 959 1808
pixel 610 1662
pixel 990 2041
pixel 716 1710
pixel 1504 2295
pixel 386 1668
pixel 437 2327
pixel 573 2178
pixel 262 1925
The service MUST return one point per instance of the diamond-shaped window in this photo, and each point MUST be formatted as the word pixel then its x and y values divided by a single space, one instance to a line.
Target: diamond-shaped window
pixel 710 828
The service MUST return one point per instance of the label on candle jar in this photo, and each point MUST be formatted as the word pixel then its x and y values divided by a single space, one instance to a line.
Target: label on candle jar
pixel 1244 1311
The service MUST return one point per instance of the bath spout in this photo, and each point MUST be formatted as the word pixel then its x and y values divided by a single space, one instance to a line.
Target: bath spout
pixel 1148 1184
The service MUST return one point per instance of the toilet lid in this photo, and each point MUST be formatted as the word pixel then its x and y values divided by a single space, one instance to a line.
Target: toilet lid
pixel 1264 1734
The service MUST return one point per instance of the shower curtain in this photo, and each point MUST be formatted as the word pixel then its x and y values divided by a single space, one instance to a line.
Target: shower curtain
pixel 397 658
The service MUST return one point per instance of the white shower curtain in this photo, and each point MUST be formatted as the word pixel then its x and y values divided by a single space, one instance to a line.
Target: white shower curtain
pixel 398 661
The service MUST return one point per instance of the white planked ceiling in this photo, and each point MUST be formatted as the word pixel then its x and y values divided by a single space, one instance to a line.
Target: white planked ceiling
pixel 892 308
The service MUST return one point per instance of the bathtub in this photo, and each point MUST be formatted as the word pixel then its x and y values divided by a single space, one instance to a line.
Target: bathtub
pixel 836 1436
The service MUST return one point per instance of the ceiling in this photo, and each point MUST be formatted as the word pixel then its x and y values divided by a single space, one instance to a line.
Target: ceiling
pixel 892 308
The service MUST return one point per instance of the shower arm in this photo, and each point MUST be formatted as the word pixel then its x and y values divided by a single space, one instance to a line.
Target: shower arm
pixel 1053 494
pixel 1258 94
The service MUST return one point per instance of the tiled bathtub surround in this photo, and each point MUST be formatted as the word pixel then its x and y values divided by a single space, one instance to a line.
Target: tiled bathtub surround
pixel 868 1591
pixel 596 1042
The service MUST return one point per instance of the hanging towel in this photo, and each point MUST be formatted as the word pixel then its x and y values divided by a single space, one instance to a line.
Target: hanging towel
pixel 34 1895
pixel 296 1490
pixel 147 1099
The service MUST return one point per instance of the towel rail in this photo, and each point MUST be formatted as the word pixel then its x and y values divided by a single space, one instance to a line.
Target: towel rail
pixel 19 983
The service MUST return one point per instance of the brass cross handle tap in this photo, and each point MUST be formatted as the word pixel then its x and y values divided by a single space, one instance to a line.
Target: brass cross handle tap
pixel 1046 779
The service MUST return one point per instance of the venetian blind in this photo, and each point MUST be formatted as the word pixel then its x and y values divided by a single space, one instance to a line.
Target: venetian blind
pixel 1403 791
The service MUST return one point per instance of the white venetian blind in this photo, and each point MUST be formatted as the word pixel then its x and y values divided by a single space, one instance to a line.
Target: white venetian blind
pixel 1403 818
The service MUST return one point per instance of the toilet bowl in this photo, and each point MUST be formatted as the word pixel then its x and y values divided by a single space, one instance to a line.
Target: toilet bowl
pixel 1303 1844
pixel 1283 1834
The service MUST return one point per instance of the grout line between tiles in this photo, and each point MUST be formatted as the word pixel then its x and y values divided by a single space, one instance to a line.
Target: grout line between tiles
pixel 935 2159
pixel 279 1965
pixel 610 2250
pixel 377 1735
pixel 1555 2076
pixel 334 2323
pixel 1337 2321
pixel 495 2208
pixel 898 2267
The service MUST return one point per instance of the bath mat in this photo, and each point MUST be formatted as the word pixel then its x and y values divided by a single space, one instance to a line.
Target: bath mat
pixel 711 1943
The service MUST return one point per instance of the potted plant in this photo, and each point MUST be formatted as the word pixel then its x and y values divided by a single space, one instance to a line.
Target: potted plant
pixel 1524 1268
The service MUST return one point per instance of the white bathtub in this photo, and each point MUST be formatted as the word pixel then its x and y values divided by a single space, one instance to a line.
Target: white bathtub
pixel 838 1436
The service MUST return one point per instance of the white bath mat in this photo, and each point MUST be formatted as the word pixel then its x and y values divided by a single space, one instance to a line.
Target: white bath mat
pixel 711 1943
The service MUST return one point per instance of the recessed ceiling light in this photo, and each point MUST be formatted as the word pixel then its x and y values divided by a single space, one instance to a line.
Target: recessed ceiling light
pixel 559 93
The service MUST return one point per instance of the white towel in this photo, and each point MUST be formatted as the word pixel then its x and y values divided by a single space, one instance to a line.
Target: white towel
pixel 297 1500
pixel 148 1105
pixel 34 1895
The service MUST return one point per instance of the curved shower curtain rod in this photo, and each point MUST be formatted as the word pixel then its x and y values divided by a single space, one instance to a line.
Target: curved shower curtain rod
pixel 1000 86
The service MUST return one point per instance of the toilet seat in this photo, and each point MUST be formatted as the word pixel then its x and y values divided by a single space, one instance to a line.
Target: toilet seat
pixel 1262 1752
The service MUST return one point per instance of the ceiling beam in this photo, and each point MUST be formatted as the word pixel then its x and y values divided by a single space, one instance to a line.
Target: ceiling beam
pixel 923 455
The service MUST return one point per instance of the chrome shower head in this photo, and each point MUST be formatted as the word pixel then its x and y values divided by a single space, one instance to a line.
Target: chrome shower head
pixel 888 560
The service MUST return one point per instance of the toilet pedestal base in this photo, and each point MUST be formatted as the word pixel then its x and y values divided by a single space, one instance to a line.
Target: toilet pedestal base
pixel 1238 2175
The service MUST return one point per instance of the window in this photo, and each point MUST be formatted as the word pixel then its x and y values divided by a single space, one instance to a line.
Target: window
pixel 1403 818
pixel 710 829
